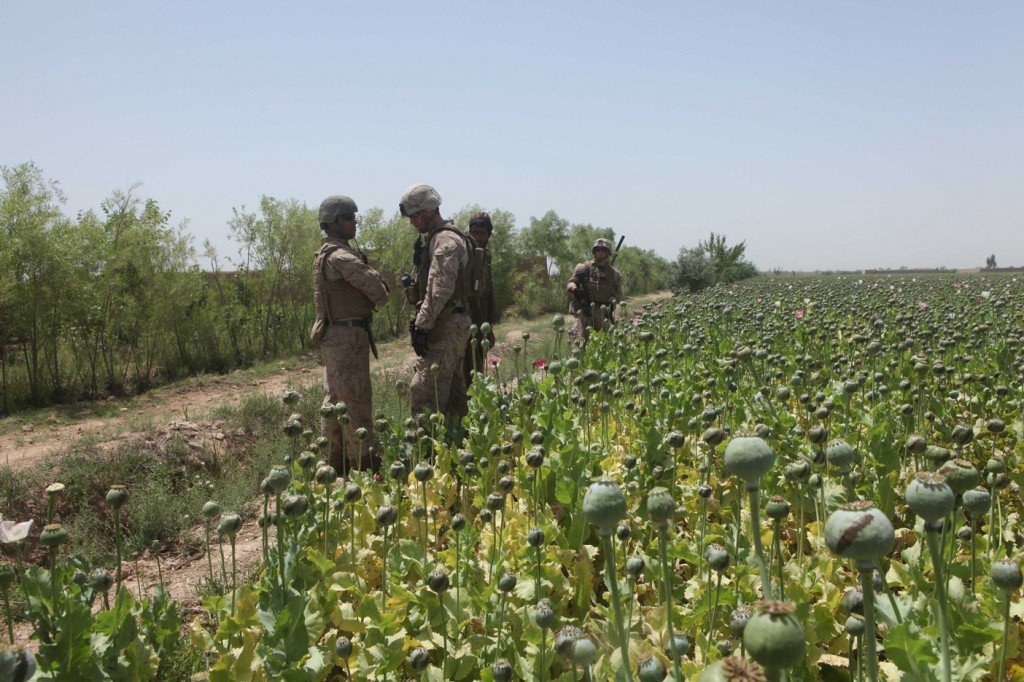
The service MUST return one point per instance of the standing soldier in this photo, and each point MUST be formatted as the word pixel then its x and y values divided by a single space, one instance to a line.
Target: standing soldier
pixel 440 329
pixel 346 290
pixel 482 307
pixel 595 287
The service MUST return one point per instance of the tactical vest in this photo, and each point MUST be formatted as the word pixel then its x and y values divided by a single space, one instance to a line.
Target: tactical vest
pixel 464 282
pixel 336 299
pixel 600 283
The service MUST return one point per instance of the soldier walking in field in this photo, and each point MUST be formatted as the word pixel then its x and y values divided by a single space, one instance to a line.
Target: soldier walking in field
pixel 346 290
pixel 482 306
pixel 596 288
pixel 440 329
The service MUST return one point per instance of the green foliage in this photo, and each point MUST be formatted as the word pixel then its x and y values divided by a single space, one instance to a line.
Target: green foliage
pixel 710 262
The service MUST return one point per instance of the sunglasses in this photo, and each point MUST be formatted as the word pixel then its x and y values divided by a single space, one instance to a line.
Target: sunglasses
pixel 348 216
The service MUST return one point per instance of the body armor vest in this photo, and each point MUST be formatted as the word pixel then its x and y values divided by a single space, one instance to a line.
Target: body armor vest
pixel 600 283
pixel 336 299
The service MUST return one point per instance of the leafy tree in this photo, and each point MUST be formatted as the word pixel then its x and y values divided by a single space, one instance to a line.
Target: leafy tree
pixel 990 262
pixel 710 262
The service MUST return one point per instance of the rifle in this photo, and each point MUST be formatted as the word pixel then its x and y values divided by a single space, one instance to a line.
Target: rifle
pixel 617 247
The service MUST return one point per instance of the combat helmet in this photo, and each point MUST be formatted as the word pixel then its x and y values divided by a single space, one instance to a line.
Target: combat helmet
pixel 481 219
pixel 335 206
pixel 602 244
pixel 418 197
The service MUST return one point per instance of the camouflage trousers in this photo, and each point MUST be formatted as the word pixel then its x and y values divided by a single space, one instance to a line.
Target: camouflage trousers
pixel 446 391
pixel 346 352
pixel 584 323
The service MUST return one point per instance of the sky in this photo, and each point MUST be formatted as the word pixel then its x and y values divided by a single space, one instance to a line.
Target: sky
pixel 824 135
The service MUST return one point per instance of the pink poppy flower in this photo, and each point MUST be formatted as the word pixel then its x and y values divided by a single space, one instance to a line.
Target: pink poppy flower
pixel 799 314
pixel 493 361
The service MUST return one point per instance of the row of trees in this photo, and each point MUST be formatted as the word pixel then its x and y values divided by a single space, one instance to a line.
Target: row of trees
pixel 115 300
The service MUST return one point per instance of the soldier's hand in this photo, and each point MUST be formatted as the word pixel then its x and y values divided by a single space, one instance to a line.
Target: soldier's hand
pixel 419 339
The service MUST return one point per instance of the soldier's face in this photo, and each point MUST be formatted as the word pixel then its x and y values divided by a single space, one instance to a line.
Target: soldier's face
pixel 347 228
pixel 419 221
pixel 601 256
pixel 480 235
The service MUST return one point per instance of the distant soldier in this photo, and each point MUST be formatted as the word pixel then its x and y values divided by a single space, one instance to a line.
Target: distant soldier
pixel 596 287
pixel 346 290
pixel 440 329
pixel 482 307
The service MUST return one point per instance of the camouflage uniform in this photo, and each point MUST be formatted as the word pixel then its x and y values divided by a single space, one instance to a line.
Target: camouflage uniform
pixel 346 291
pixel 604 285
pixel 442 313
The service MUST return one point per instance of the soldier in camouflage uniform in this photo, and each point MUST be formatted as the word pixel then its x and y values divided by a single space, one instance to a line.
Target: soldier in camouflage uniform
pixel 440 329
pixel 346 290
pixel 596 287
pixel 482 307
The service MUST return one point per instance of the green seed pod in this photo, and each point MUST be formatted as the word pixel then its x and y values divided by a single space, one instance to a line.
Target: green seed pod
pixel 840 453
pixel 265 487
pixel 960 475
pixel 485 516
pixel 325 475
pixel 290 397
pixel 53 535
pixel 916 445
pixel 211 510
pixel 506 484
pixel 495 502
pixel 386 515
pixel 557 322
pixel 676 439
pixel 353 493
pixel 507 583
pixel 937 454
pixel 977 501
pixel 796 471
pixel 294 505
pixel 777 508
pixel 853 600
pixel 749 458
pixel 565 638
pixel 713 436
pixel 635 566
pixel 584 652
pixel 501 671
pixel 229 525
pixel 682 644
pixel 535 537
pixel 343 648
pixel 738 620
pixel 660 506
pixel 650 669
pixel 419 512
pixel 101 580
pixel 855 626
pixel 860 532
pixel 17 664
pixel 732 669
pixel 306 459
pixel 929 496
pixel 544 615
pixel 117 496
pixel 438 581
pixel 418 659
pixel 774 637
pixel 604 505
pixel 817 434
pixel 1006 575
pixel 292 428
pixel 717 557
pixel 962 435
pixel 423 472
pixel 327 410
pixel 398 471
pixel 995 425
pixel 458 522
pixel 279 477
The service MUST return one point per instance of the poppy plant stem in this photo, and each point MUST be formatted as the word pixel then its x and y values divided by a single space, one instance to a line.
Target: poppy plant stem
pixel 613 583
pixel 667 580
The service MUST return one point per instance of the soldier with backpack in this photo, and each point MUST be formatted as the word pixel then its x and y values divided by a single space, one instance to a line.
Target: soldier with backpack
pixel 442 289
pixel 595 287
pixel 346 290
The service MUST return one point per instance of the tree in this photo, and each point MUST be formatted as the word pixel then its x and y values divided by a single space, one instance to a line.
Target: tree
pixel 709 263
pixel 990 262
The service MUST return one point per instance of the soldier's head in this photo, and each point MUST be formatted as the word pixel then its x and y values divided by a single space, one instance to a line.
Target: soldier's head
pixel 480 227
pixel 420 204
pixel 338 216
pixel 602 249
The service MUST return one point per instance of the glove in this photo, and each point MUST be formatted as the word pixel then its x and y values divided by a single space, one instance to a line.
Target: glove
pixel 580 294
pixel 419 340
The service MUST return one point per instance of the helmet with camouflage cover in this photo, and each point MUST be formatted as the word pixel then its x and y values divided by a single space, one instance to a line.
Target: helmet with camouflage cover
pixel 334 206
pixel 602 244
pixel 418 197
pixel 481 219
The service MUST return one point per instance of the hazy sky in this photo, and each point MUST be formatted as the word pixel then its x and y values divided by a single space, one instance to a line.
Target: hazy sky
pixel 825 135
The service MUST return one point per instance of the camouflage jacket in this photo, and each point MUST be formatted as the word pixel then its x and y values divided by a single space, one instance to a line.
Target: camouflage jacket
pixel 344 285
pixel 446 257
